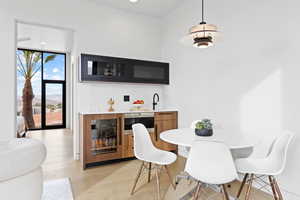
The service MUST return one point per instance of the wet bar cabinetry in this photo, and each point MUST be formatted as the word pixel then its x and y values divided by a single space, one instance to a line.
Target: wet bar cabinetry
pixel 104 138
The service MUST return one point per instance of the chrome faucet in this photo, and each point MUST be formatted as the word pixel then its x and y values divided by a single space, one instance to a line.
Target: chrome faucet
pixel 154 102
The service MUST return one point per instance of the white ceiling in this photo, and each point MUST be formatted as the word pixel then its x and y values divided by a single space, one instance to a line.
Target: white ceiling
pixel 156 8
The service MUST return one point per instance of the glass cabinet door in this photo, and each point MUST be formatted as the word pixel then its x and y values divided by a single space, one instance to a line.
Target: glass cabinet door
pixel 104 136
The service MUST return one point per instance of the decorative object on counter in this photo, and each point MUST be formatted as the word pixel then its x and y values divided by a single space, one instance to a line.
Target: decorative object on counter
pixel 204 128
pixel 138 105
pixel 111 102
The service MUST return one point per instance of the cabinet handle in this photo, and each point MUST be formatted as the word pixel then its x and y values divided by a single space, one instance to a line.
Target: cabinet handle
pixel 155 132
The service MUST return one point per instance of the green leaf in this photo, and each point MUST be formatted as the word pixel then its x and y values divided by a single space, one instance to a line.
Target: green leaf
pixel 50 58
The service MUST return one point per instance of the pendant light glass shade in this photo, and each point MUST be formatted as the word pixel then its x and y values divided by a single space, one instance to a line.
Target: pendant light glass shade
pixel 202 35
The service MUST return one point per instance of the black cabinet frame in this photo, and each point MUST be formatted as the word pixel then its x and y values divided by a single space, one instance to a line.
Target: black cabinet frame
pixel 128 65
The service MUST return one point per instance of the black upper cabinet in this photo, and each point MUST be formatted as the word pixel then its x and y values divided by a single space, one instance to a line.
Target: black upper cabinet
pixel 112 69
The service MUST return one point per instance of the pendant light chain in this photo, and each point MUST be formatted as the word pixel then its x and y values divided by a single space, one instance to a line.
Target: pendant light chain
pixel 203 16
pixel 202 10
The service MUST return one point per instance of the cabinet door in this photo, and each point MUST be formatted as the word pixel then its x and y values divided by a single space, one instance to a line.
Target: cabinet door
pixel 128 151
pixel 164 122
pixel 102 137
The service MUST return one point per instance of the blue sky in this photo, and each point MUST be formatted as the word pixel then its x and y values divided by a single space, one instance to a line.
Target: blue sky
pixel 53 70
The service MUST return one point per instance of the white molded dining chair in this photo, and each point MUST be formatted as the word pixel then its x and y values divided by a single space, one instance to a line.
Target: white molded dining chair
pixel 272 165
pixel 145 151
pixel 203 164
pixel 242 152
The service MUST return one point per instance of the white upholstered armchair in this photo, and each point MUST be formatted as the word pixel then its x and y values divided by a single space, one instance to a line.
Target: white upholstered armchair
pixel 20 169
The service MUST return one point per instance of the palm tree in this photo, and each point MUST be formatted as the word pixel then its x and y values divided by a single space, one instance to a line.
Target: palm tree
pixel 29 63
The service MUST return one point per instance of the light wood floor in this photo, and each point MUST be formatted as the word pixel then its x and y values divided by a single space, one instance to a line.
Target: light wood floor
pixel 113 181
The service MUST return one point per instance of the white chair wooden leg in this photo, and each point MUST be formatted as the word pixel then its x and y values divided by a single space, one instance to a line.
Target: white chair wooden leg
pixel 273 187
pixel 249 187
pixel 137 178
pixel 149 172
pixel 170 177
pixel 242 185
pixel 225 193
pixel 198 191
pixel 278 189
pixel 157 182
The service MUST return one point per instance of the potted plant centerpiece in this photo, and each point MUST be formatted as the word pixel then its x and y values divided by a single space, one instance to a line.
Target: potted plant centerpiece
pixel 204 128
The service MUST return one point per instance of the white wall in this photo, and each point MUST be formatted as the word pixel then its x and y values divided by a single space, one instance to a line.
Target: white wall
pixel 249 81
pixel 7 82
pixel 97 30
pixel 31 36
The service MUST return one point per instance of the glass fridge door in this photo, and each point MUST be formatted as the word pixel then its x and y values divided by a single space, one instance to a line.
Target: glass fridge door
pixel 104 136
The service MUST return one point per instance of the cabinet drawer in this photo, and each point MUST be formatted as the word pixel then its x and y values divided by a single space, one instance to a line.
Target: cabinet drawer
pixel 166 116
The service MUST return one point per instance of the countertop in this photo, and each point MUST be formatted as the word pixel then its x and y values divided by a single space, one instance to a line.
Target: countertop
pixel 126 111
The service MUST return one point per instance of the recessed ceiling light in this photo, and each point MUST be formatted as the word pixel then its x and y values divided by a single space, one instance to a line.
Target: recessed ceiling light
pixel 133 1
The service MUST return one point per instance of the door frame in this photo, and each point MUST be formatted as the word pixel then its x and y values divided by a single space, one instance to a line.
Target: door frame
pixel 43 113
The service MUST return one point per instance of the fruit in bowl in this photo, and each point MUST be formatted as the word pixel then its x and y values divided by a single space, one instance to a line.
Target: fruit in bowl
pixel 139 102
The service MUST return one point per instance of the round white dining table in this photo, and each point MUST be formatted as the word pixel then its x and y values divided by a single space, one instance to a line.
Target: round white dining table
pixel 186 137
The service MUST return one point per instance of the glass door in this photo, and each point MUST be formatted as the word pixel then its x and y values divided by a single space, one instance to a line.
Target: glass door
pixel 53 104
pixel 104 136
pixel 102 139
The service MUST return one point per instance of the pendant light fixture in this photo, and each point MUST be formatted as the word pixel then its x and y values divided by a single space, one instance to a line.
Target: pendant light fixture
pixel 203 35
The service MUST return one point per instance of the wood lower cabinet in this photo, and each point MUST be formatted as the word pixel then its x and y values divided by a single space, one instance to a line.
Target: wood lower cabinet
pixel 164 121
pixel 103 137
